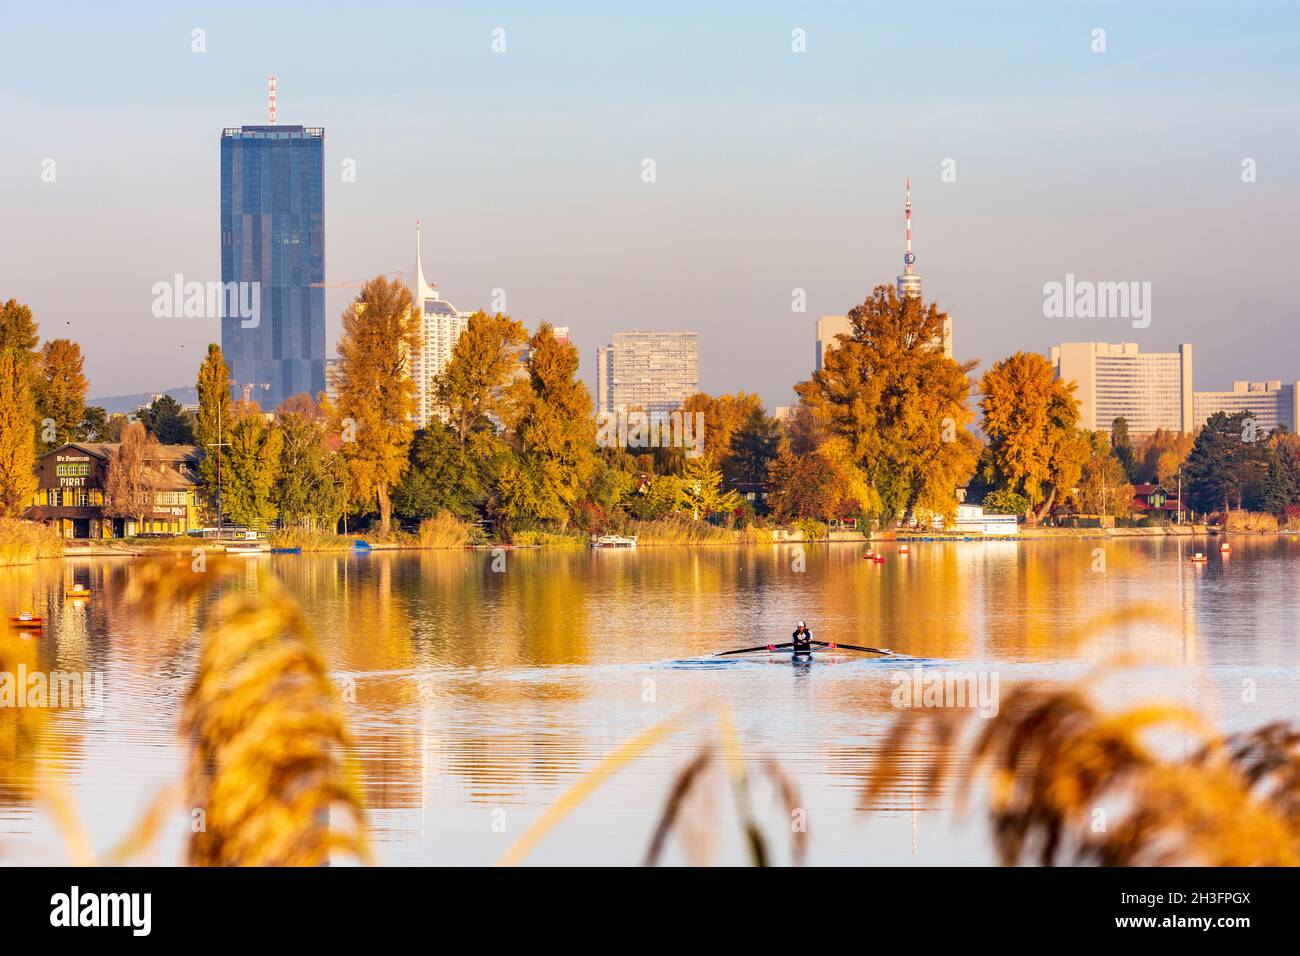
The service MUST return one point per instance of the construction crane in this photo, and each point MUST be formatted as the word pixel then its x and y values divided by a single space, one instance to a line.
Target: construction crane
pixel 356 283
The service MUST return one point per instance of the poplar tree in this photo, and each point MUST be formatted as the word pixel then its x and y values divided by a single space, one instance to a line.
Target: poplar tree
pixel 18 482
pixel 376 394
pixel 61 386
pixel 214 417
pixel 251 468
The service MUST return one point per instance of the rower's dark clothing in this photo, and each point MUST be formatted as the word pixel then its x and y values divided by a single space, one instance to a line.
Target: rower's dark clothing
pixel 801 640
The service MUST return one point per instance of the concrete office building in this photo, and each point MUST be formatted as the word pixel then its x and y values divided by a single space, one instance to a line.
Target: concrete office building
pixel 653 370
pixel 1149 390
pixel 1269 403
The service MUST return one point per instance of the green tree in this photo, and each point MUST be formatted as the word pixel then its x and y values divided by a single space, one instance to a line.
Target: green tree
pixel 1004 502
pixel 311 485
pixel 1281 488
pixel 1030 418
pixel 215 416
pixel 662 496
pixel 1226 464
pixel 17 453
pixel 483 362
pixel 94 425
pixel 754 446
pixel 1122 445
pixel 252 468
pixel 168 422
pixel 376 394
pixel 899 405
pixel 443 476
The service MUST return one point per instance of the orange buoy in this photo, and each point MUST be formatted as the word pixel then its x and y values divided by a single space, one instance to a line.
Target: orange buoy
pixel 26 619
pixel 903 549
pixel 1225 547
pixel 1197 558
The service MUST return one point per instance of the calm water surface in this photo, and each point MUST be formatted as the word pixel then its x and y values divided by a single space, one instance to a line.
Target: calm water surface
pixel 480 696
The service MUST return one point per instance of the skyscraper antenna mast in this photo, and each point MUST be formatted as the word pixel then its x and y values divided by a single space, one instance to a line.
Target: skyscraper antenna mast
pixel 271 92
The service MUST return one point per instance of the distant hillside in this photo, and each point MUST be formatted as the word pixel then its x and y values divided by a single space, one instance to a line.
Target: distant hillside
pixel 187 395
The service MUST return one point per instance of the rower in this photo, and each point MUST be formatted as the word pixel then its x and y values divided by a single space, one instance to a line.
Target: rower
pixel 801 641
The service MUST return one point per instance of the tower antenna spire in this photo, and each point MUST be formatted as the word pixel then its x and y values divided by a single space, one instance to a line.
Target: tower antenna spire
pixel 909 258
pixel 270 86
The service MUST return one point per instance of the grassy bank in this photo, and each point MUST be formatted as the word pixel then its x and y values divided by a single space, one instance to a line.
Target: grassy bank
pixel 23 542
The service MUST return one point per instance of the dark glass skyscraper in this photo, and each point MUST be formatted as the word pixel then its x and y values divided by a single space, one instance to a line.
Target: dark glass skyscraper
pixel 273 233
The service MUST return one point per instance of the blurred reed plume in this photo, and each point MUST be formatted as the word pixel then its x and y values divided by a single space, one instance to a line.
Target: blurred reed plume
pixel 268 760
pixel 1060 766
pixel 687 782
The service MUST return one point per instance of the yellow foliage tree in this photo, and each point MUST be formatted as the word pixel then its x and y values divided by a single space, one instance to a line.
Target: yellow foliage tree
pixel 17 453
pixel 376 394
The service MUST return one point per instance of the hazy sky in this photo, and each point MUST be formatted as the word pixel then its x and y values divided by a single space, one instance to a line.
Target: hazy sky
pixel 775 170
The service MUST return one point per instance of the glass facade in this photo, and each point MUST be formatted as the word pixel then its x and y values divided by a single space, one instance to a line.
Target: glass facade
pixel 273 233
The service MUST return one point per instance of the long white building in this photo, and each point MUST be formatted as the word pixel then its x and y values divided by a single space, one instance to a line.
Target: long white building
pixel 1270 404
pixel 441 325
pixel 1148 390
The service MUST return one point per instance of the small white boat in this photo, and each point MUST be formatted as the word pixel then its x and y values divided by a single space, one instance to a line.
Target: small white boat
pixel 245 549
pixel 613 541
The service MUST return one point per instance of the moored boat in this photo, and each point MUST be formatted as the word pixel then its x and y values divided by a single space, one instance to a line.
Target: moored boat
pixel 613 541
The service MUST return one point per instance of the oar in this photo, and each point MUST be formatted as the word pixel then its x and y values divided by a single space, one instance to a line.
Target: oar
pixel 748 650
pixel 854 647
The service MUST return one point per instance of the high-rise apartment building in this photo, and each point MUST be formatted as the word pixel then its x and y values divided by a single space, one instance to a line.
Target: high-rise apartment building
pixel 1270 404
pixel 1148 390
pixel 441 325
pixel 654 370
pixel 273 234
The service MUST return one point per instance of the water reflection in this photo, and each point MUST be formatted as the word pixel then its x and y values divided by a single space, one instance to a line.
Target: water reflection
pixel 480 694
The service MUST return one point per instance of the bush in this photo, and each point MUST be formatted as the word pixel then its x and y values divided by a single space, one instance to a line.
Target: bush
pixel 812 529
pixel 445 530
pixel 22 542
pixel 1003 502
pixel 1259 521
pixel 548 539
pixel 308 539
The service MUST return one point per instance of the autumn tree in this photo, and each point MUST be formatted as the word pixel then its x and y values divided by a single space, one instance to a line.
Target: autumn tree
pixel 551 420
pixel 1103 487
pixel 805 486
pixel 132 481
pixel 60 390
pixel 17 454
pixel 701 488
pixel 376 394
pixel 1031 419
pixel 724 415
pixel 483 362
pixel 251 468
pixel 1161 454
pixel 215 416
pixel 18 330
pixel 899 405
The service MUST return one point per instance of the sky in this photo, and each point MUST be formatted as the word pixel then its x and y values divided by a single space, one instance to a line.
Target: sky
pixel 775 170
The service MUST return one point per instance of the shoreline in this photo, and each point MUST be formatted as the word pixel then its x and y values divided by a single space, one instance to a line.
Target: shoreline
pixel 793 536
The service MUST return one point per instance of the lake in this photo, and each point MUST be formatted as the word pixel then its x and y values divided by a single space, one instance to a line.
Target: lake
pixel 482 694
